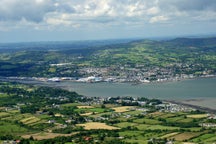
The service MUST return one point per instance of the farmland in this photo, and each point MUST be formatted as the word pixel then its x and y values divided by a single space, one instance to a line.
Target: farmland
pixel 41 114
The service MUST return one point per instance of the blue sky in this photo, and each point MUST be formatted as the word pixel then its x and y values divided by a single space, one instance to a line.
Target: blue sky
pixel 63 20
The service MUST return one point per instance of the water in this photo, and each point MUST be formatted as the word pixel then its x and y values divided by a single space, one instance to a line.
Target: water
pixel 200 92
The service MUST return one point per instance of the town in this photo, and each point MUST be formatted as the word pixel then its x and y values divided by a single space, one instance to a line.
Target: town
pixel 122 75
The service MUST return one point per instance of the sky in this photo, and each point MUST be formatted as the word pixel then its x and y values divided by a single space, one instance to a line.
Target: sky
pixel 65 20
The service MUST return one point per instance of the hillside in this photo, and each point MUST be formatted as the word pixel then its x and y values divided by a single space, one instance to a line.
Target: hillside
pixel 179 56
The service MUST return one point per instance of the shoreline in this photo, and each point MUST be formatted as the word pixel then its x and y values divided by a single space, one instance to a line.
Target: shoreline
pixel 58 85
pixel 201 108
pixel 71 79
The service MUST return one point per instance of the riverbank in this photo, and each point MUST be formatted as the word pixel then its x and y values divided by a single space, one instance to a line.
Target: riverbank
pixel 209 110
pixel 198 92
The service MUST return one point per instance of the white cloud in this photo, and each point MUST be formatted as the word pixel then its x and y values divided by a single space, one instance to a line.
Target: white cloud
pixel 16 10
pixel 78 13
pixel 158 19
pixel 153 10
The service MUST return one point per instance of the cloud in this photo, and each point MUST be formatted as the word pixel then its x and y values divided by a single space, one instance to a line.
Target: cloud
pixel 158 19
pixel 189 5
pixel 82 13
pixel 16 10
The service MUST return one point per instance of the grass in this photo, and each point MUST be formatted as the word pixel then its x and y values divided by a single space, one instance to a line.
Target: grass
pixel 87 110
pixel 3 95
pixel 97 125
pixel 155 114
pixel 10 128
pixel 174 119
pixel 133 112
pixel 161 127
pixel 70 104
pixel 185 120
pixel 130 133
pixel 212 139
pixel 4 114
pixel 122 109
pixel 147 121
pixel 85 107
pixel 30 120
pixel 169 135
pixel 18 117
pixel 197 116
pixel 168 115
pixel 204 137
pixel 86 114
pixel 185 136
pixel 125 124
pixel 44 135
pixel 139 137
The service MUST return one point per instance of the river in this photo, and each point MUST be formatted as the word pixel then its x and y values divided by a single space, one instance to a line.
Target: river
pixel 201 92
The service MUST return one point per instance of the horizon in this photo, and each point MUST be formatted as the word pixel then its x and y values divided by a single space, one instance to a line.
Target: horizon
pixel 160 38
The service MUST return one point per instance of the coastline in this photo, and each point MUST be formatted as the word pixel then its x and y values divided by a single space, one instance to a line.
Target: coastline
pixel 97 89
pixel 206 109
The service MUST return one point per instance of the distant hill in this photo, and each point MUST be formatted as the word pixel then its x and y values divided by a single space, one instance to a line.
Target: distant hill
pixel 197 42
pixel 180 55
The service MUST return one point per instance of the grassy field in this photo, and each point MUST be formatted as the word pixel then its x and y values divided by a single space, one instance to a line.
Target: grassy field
pixel 147 121
pixel 122 109
pixel 139 137
pixel 4 114
pixel 85 107
pixel 45 135
pixel 96 125
pixel 170 135
pixel 70 104
pixel 197 116
pixel 90 109
pixel 133 124
pixel 204 138
pixel 185 136
pixel 9 128
pixel 125 124
pixel 30 120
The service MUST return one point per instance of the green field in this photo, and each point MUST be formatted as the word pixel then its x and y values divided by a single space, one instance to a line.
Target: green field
pixel 72 120
pixel 10 128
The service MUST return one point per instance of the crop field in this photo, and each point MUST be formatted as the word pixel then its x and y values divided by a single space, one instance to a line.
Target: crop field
pixel 197 116
pixel 185 120
pixel 97 125
pixel 70 104
pixel 89 109
pixel 133 112
pixel 167 115
pixel 170 135
pixel 125 124
pixel 85 107
pixel 185 136
pixel 174 119
pixel 122 109
pixel 86 114
pixel 45 135
pixel 18 117
pixel 147 121
pixel 161 127
pixel 138 136
pixel 8 128
pixel 4 114
pixel 30 120
pixel 204 138
pixel 156 114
